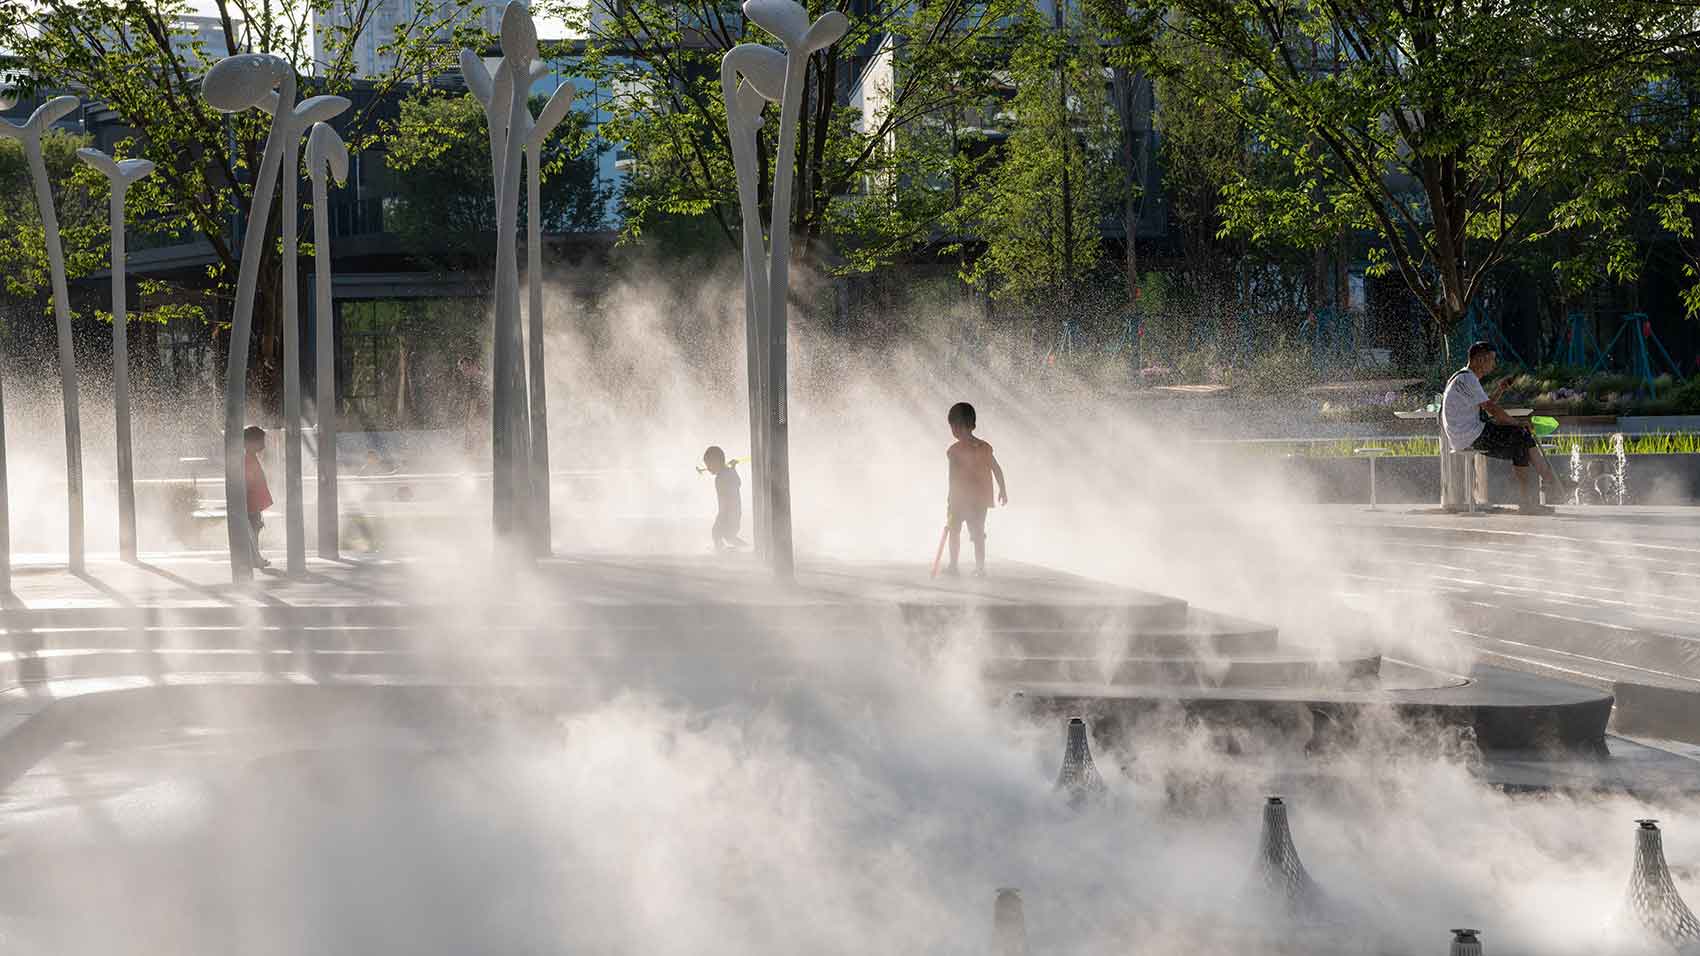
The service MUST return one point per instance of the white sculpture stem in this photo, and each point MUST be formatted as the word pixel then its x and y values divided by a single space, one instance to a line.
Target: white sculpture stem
pixel 30 135
pixel 314 109
pixel 506 111
pixel 538 407
pixel 233 84
pixel 788 21
pixel 120 175
pixel 293 521
pixel 743 112
pixel 510 481
pixel 326 154
pixel 536 134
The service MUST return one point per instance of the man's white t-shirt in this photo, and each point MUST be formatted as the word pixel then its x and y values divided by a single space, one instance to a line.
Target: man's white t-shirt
pixel 1460 408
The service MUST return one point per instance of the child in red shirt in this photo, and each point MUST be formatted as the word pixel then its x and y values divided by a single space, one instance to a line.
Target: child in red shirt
pixel 259 495
pixel 973 468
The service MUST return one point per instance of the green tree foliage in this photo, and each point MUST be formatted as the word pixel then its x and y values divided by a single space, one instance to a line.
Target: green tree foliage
pixel 1041 211
pixel 444 209
pixel 130 56
pixel 873 175
pixel 80 196
pixel 1452 131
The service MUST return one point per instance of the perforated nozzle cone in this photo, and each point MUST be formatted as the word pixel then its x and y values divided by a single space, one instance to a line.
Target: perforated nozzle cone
pixel 1009 924
pixel 1652 902
pixel 1279 868
pixel 1078 778
pixel 1466 943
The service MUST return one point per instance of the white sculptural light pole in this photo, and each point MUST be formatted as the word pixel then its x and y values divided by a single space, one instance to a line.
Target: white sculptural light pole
pixel 762 70
pixel 326 153
pixel 29 135
pixel 299 118
pixel 234 84
pixel 788 21
pixel 505 108
pixel 536 133
pixel 121 174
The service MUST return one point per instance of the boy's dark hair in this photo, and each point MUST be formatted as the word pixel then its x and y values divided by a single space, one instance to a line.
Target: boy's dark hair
pixel 962 414
pixel 714 454
pixel 253 432
pixel 1482 347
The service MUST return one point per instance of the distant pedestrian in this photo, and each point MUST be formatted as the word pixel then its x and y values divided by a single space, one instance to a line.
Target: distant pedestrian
pixel 973 469
pixel 259 495
pixel 728 492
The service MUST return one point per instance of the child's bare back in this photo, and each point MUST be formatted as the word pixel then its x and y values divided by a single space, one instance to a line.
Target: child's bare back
pixel 973 471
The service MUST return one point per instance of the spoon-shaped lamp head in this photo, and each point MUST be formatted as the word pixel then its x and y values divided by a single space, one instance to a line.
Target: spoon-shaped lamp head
pixel 519 34
pixel 785 19
pixel 317 109
pixel 789 21
pixel 554 111
pixel 762 67
pixel 477 76
pixel 246 80
pixel 124 171
pixel 326 150
pixel 44 116
pixel 825 32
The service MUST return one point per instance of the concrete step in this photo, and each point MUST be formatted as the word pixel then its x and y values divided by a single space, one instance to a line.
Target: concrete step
pixel 1501 709
pixel 1295 670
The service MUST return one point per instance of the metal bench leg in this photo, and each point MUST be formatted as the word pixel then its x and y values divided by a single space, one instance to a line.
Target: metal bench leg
pixel 1372 483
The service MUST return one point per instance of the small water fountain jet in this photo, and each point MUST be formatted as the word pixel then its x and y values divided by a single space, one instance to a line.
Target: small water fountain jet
pixel 1279 870
pixel 1079 778
pixel 1466 942
pixel 1652 903
pixel 1576 473
pixel 1621 475
pixel 1009 924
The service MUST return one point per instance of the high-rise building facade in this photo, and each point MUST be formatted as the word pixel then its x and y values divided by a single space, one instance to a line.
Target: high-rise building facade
pixel 382 21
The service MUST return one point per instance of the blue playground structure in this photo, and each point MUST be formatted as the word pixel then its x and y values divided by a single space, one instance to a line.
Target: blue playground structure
pixel 1576 346
pixel 1477 326
pixel 1636 333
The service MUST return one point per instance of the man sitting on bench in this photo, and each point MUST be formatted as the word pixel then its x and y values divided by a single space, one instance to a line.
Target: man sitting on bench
pixel 1473 419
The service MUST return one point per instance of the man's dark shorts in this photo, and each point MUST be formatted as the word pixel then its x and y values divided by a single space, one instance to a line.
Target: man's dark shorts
pixel 1505 441
pixel 974 517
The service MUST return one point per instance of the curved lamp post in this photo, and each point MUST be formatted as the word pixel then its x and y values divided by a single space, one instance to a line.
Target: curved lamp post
pixel 121 173
pixel 29 135
pixel 326 153
pixel 233 84
pixel 503 99
pixel 788 21
pixel 536 133
pixel 751 76
pixel 300 117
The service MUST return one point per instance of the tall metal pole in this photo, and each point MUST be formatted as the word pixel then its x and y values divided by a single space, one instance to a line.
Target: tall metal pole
pixel 30 136
pixel 233 84
pixel 295 533
pixel 119 176
pixel 326 155
pixel 539 405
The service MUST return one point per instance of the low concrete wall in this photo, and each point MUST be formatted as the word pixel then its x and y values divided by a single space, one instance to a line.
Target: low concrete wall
pixel 1651 479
